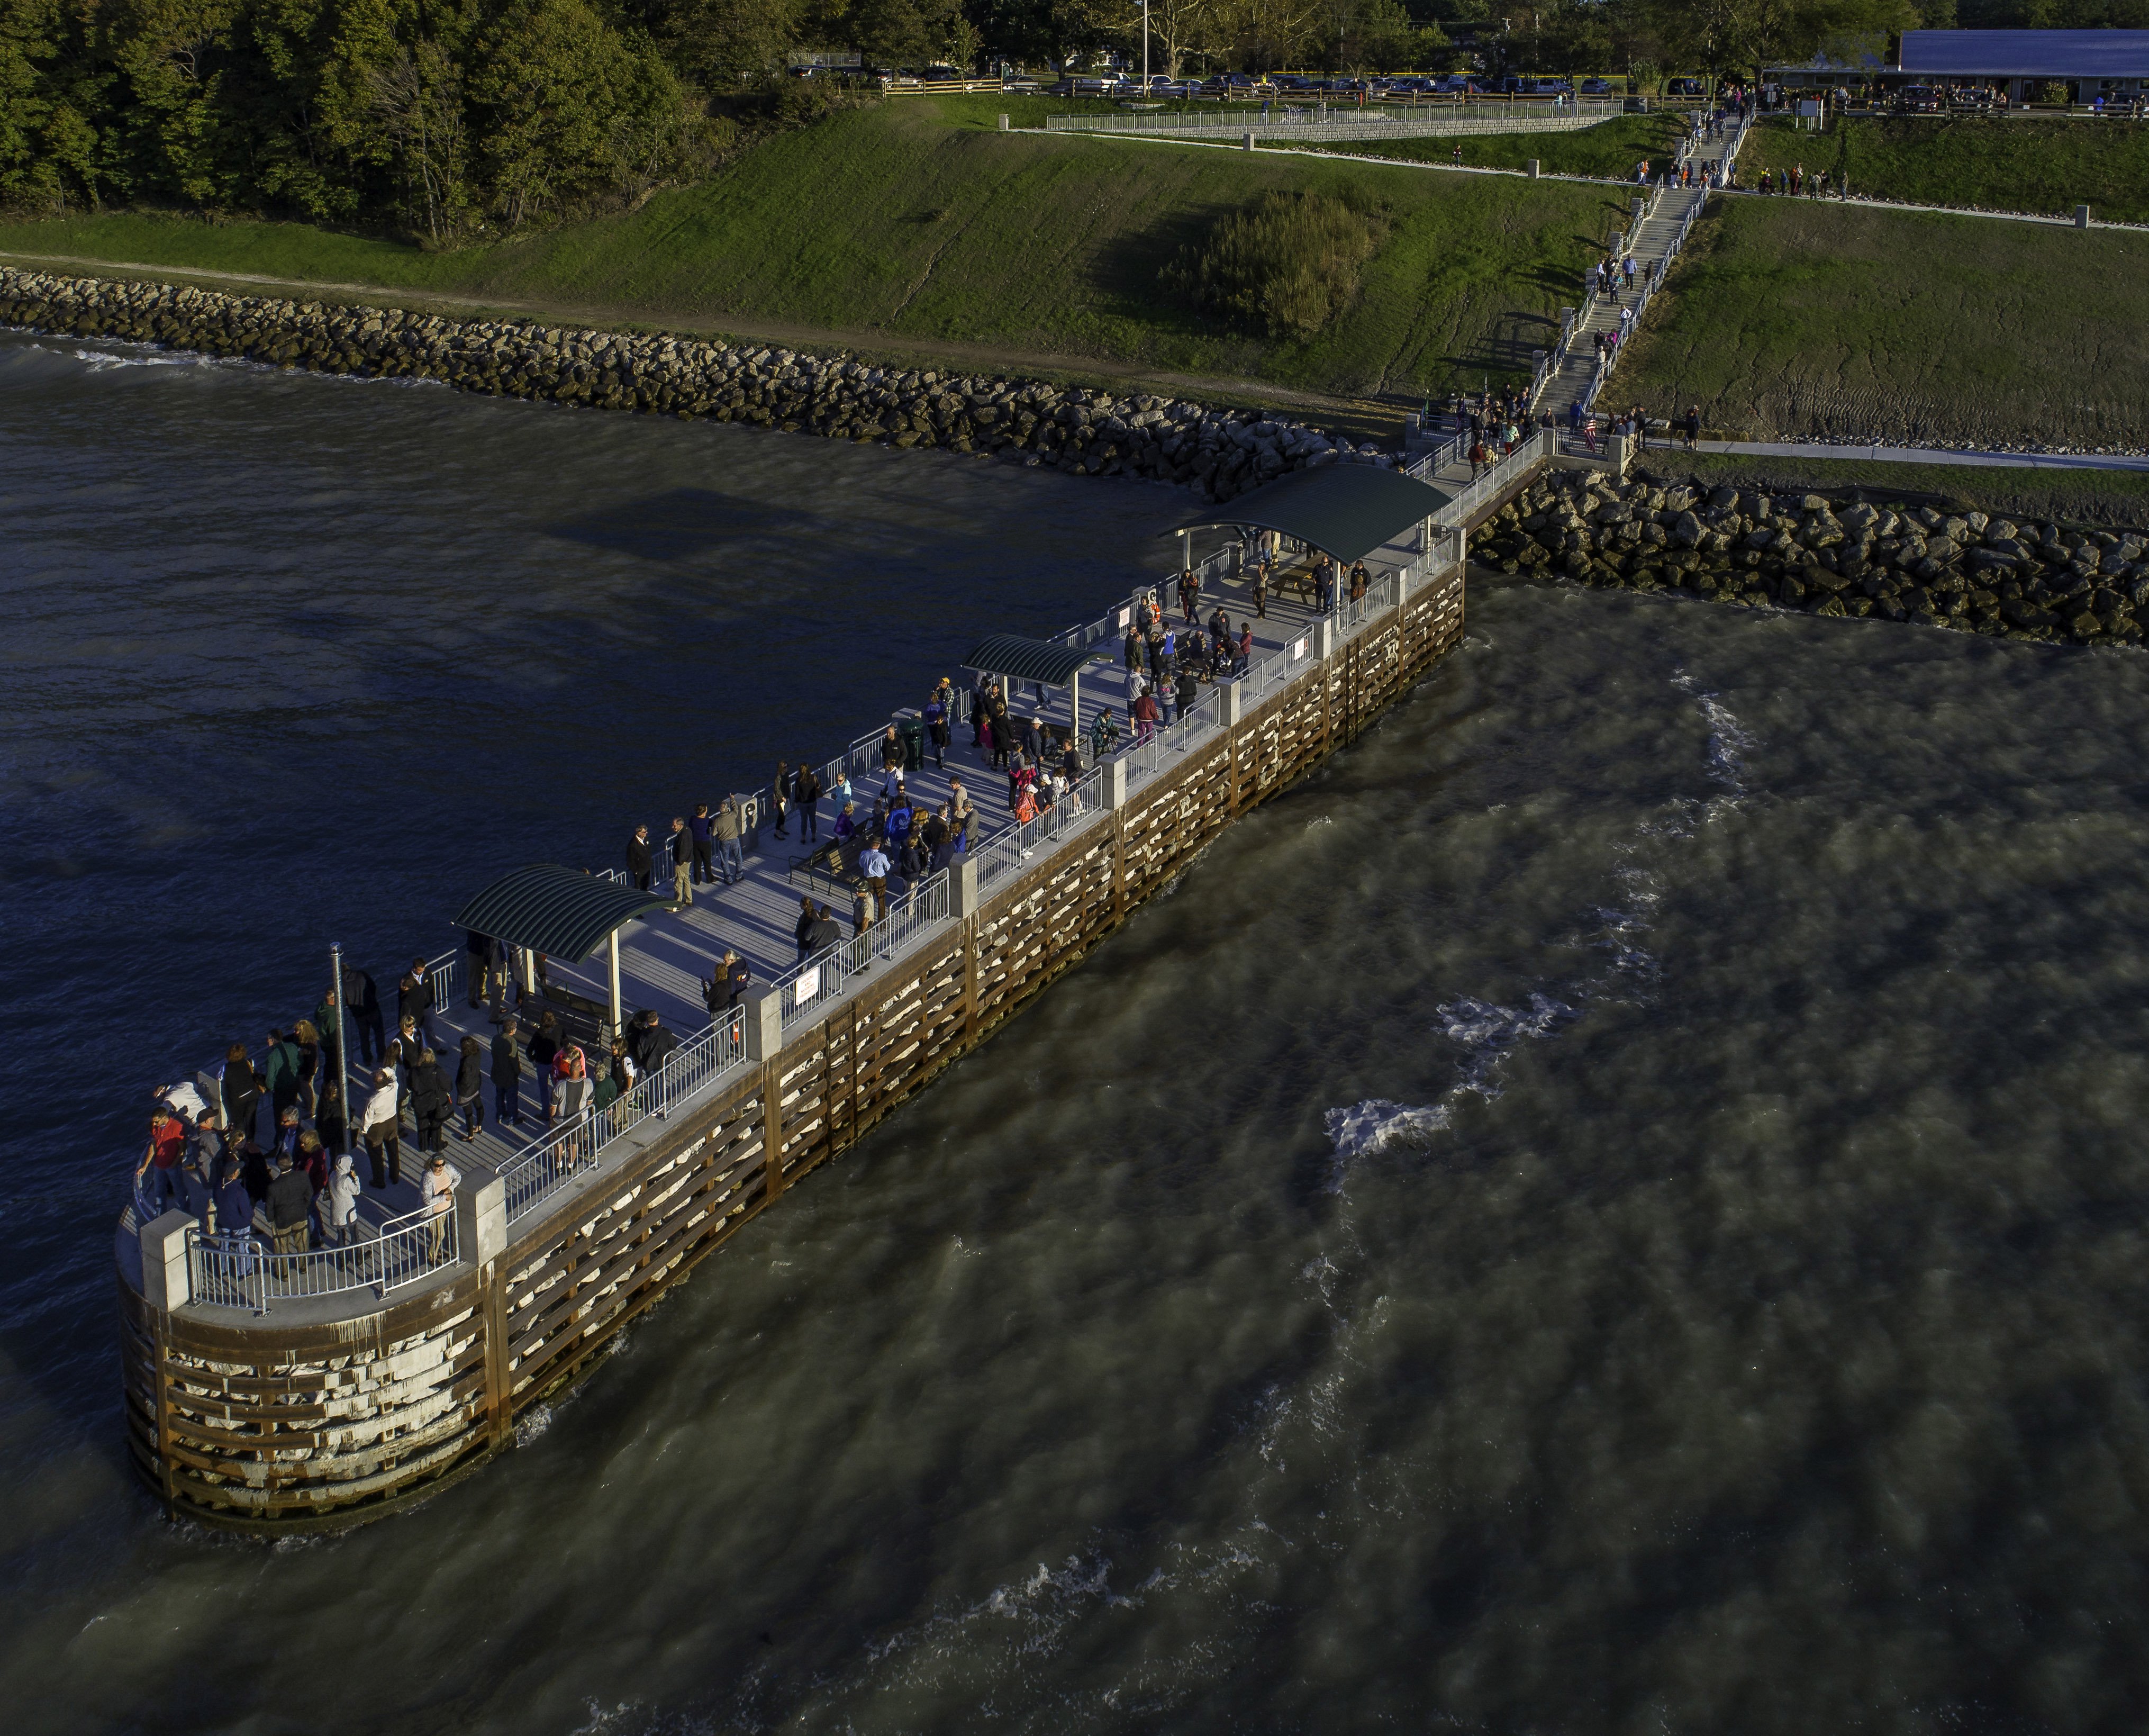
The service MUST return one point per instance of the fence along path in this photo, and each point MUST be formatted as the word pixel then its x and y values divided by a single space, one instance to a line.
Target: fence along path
pixel 1322 122
pixel 1575 374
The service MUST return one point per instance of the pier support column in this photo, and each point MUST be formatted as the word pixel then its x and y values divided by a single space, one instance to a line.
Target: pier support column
pixel 1112 785
pixel 963 888
pixel 764 1044
pixel 481 1234
pixel 166 1282
pixel 764 1023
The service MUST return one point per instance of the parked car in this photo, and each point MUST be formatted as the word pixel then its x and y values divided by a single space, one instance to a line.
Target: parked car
pixel 1686 88
pixel 1597 86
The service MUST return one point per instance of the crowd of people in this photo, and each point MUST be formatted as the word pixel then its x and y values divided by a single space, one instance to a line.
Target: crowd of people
pixel 288 1179
pixel 263 1151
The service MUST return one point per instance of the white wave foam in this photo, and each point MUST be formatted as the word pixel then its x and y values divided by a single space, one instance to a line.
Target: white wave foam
pixel 532 1424
pixel 100 361
pixel 1376 1123
pixel 1728 742
pixel 1490 1032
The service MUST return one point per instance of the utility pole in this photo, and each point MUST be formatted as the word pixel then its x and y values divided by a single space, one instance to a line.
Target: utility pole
pixel 1145 50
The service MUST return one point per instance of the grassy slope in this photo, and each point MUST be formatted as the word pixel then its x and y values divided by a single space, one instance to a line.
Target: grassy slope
pixel 919 218
pixel 1788 317
pixel 2038 166
pixel 2114 497
pixel 1610 150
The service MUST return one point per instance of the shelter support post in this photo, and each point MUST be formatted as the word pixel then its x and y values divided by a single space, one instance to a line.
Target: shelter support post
pixel 612 964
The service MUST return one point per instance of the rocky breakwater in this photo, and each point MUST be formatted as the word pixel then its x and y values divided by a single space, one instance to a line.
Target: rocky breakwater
pixel 1218 453
pixel 1826 555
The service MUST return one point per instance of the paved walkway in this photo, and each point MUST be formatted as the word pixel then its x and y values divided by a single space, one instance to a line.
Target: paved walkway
pixel 1651 249
pixel 1930 455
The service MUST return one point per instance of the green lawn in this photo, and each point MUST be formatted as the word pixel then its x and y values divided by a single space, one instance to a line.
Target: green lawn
pixel 1787 318
pixel 1609 151
pixel 2107 498
pixel 918 218
pixel 2038 166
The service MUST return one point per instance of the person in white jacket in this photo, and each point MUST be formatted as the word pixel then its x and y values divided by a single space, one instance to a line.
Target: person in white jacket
pixel 338 1204
pixel 378 1126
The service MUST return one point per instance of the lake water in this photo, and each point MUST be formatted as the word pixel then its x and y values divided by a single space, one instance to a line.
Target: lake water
pixel 1617 1205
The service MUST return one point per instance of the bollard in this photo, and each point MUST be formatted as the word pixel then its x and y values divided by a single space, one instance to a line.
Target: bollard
pixel 1112 786
pixel 2081 217
pixel 1533 168
pixel 1249 140
pixel 1004 123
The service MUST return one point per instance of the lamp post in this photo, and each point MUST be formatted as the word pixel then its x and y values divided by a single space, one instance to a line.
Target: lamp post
pixel 1145 50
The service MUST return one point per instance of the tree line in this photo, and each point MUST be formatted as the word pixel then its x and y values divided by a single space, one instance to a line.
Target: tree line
pixel 454 120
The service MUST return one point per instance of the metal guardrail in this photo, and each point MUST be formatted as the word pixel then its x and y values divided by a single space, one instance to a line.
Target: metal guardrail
pixel 234 1270
pixel 1539 444
pixel 538 1169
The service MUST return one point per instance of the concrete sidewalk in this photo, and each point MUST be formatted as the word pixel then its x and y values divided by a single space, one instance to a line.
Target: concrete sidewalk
pixel 1927 455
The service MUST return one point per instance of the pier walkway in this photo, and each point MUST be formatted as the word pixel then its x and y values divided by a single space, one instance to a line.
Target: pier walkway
pixel 272 1392
pixel 666 958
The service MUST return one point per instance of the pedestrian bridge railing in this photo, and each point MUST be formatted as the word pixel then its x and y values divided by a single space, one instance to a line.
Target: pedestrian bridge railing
pixel 234 1270
pixel 1533 447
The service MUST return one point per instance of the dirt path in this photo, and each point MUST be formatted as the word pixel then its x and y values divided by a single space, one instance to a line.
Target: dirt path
pixel 1361 417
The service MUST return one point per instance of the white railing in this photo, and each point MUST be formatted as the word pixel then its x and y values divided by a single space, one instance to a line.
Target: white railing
pixel 235 1269
pixel 1541 444
pixel 538 1169
pixel 819 981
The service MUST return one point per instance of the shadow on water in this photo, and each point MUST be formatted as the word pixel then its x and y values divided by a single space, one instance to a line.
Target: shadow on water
pixel 682 523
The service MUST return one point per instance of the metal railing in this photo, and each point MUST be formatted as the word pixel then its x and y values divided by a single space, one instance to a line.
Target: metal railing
pixel 235 1269
pixel 1540 443
pixel 816 982
pixel 538 1168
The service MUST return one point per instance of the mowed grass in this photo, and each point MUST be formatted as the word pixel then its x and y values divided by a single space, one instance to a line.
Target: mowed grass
pixel 2045 167
pixel 1788 317
pixel 2083 496
pixel 919 218
pixel 1608 152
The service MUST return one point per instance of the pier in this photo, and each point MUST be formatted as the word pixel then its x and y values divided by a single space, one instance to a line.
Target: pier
pixel 274 1393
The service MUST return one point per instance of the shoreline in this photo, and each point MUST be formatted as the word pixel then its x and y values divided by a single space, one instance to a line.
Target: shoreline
pixel 1809 553
pixel 1216 453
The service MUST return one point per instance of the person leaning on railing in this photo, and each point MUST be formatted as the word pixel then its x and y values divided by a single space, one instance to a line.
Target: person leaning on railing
pixel 436 1198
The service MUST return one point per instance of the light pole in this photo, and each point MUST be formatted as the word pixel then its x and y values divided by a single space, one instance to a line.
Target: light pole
pixel 1145 50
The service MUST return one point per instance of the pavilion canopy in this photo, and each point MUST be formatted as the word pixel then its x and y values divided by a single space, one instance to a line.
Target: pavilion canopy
pixel 1345 510
pixel 1047 661
pixel 559 912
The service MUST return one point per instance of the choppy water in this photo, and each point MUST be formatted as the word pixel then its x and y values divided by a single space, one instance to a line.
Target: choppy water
pixel 1619 1205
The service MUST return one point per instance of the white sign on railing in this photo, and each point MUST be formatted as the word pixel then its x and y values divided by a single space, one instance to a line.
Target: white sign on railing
pixel 1298 648
pixel 806 985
